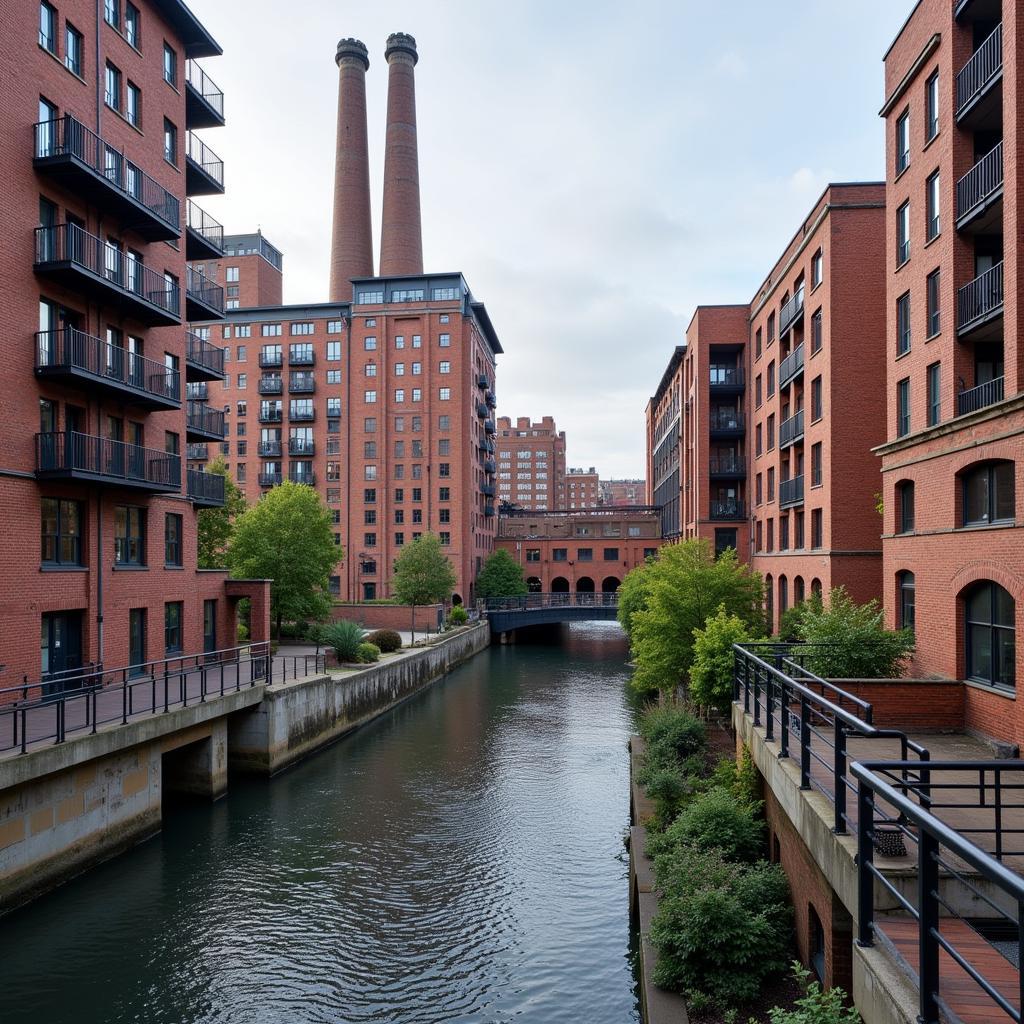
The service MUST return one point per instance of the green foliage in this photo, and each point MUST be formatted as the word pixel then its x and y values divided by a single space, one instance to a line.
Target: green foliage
pixel 500 576
pixel 792 619
pixel 216 525
pixel 386 639
pixel 711 674
pixel 673 738
pixel 287 537
pixel 740 777
pixel 717 820
pixel 722 928
pixel 423 574
pixel 344 638
pixel 815 1006
pixel 634 592
pixel 458 616
pixel 670 789
pixel 242 633
pixel 680 589
pixel 367 653
pixel 857 645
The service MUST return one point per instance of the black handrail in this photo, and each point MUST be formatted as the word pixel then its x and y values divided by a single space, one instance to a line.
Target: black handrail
pixel 792 429
pixel 984 65
pixel 973 399
pixel 69 451
pixel 199 153
pixel 204 417
pixel 201 82
pixel 528 602
pixel 791 366
pixel 203 224
pixel 204 354
pixel 790 312
pixel 201 288
pixel 206 486
pixel 981 181
pixel 725 376
pixel 981 297
pixel 791 491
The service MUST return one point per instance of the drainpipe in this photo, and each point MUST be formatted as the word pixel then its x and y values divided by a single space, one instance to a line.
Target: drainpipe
pixel 99 574
pixel 99 72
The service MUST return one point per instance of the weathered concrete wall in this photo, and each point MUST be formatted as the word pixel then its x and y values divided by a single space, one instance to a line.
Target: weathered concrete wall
pixel 298 717
pixel 390 616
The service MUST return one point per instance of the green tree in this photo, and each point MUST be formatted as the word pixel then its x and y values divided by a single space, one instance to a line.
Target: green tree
pixel 423 574
pixel 683 587
pixel 287 537
pixel 216 524
pixel 500 576
pixel 634 593
pixel 712 671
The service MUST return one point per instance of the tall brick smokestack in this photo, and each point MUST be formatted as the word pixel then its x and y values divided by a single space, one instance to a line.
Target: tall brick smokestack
pixel 401 243
pixel 351 235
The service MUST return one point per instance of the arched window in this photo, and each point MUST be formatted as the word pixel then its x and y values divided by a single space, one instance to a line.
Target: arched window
pixel 987 494
pixel 990 641
pixel 783 595
pixel 769 603
pixel 905 506
pixel 905 587
pixel 816 587
pixel 798 589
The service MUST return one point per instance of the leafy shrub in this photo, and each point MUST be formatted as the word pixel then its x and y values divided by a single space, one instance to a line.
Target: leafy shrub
pixel 386 639
pixel 815 1006
pixel 792 619
pixel 367 653
pixel 721 928
pixel 711 674
pixel 670 789
pixel 672 736
pixel 458 616
pixel 716 820
pixel 344 638
pixel 739 776
pixel 242 633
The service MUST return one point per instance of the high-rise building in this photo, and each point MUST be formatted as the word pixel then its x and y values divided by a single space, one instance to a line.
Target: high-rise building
pixel 664 436
pixel 251 271
pixel 531 463
pixel 582 487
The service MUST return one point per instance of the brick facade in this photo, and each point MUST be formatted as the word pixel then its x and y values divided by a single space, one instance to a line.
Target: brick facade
pixel 531 463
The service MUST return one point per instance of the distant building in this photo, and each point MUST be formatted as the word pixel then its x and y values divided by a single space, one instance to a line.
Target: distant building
pixel 621 492
pixel 251 271
pixel 582 488
pixel 531 463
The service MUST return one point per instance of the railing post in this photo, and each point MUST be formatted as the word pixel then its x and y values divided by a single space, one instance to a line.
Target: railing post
pixel 769 720
pixel 928 925
pixel 757 695
pixel 839 777
pixel 865 860
pixel 805 743
pixel 783 720
pixel 746 684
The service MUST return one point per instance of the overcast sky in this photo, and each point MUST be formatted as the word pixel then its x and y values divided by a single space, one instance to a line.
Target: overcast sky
pixel 595 169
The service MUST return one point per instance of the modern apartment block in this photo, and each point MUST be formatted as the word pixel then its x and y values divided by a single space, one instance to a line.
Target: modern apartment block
pixel 621 492
pixel 664 437
pixel 531 463
pixel 100 170
pixel 580 551
pixel 252 271
pixel 954 452
pixel 582 487
pixel 817 359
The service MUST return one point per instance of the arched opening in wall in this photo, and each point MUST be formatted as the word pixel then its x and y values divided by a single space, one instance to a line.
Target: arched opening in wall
pixel 559 585
pixel 798 589
pixel 534 585
pixel 816 942
pixel 584 585
pixel 783 596
pixel 905 600
pixel 816 587
pixel 456 599
pixel 769 603
pixel 610 584
pixel 990 640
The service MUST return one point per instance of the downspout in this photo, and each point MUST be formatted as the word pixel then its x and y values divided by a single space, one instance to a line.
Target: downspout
pixel 99 75
pixel 99 574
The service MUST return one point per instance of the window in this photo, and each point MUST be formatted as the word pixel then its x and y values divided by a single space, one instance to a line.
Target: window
pixel 817 409
pixel 132 24
pixel 129 535
pixel 369 344
pixel 399 369
pixel 757 392
pixel 988 494
pixel 334 376
pixel 758 445
pixel 370 397
pixel 172 627
pixel 444 340
pixel 798 529
pixel 533 554
pixel 990 641
pixel 170 66
pixel 903 234
pixel 417 369
pixel 932 204
pixel 112 13
pixel 771 328
pixel 771 483
pixel 444 494
pixel 770 425
pixel 817 528
pixel 303 328
pixel 334 351
pixel 444 469
pixel 757 343
pixel 905 506
pixel 112 87
pixel 903 407
pixel 334 326
pixel 931 107
pixel 61 532
pixel 48 28
pixel 771 378
pixel 444 394
pixel 243 331
pixel 903 142
pixel 399 394
pixel 133 105
pixel 816 465
pixel 368 298
pixel 444 367
pixel 611 554
pixel 816 333
pixel 934 394
pixel 170 142
pixel 445 537
pixel 172 539
pixel 271 331
pixel 584 554
pixel 74 44
pixel 370 370
pixel 817 268
pixel 370 495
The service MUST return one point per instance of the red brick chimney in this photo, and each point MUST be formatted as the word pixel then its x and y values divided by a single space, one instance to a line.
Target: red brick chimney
pixel 351 235
pixel 401 243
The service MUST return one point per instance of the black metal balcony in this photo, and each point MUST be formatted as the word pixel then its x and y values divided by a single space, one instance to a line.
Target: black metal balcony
pixel 69 254
pixel 204 236
pixel 307 478
pixel 204 299
pixel 270 414
pixel 726 380
pixel 791 430
pixel 204 170
pixel 980 304
pixel 487 489
pixel 270 385
pixel 979 195
pixel 791 491
pixel 204 423
pixel 270 360
pixel 301 384
pixel 301 446
pixel 302 415
pixel 73 456
pixel 82 361
pixel 301 356
pixel 270 479
pixel 488 510
pixel 791 314
pixel 727 510
pixel 68 152
pixel 481 410
pixel 977 398
pixel 727 467
pixel 490 466
pixel 979 86
pixel 792 366
pixel 725 423
pixel 482 382
pixel 491 399
pixel 268 449
pixel 205 490
pixel 196 452
pixel 977 10
pixel 204 102
pixel 489 427
pixel 198 390
pixel 203 361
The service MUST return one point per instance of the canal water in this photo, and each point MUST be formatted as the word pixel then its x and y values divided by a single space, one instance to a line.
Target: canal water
pixel 459 860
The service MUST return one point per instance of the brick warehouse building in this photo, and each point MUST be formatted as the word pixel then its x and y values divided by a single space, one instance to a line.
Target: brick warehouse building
pixel 954 456
pixel 531 463
pixel 100 169
pixel 582 487
pixel 664 437
pixel 252 271
pixel 382 398
pixel 621 492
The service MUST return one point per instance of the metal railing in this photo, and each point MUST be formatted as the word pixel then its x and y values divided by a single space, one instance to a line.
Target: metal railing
pixel 203 224
pixel 482 382
pixel 980 182
pixel 973 399
pixel 72 452
pixel 202 289
pixel 725 376
pixel 271 414
pixel 481 410
pixel 791 491
pixel 301 446
pixel 270 359
pixel 301 383
pixel 69 243
pixel 901 798
pixel 67 136
pixel 72 349
pixel 205 486
pixel 204 354
pixel 270 479
pixel 790 312
pixel 984 65
pixel 268 448
pixel 727 465
pixel 791 430
pixel 491 399
pixel 270 385
pixel 719 420
pixel 980 298
pixel 204 417
pixel 200 154
pixel 196 452
pixel 301 355
pixel 528 602
pixel 309 478
pixel 728 510
pixel 303 414
pixel 490 466
pixel 197 389
pixel 201 82
pixel 791 366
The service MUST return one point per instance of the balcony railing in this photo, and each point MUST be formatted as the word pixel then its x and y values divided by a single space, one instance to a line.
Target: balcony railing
pixel 203 295
pixel 203 168
pixel 791 430
pixel 196 452
pixel 983 180
pixel 198 390
pixel 201 418
pixel 302 415
pixel 209 112
pixel 67 149
pixel 487 489
pixel 791 366
pixel 205 488
pixel 202 359
pixel 70 252
pixel 307 478
pixel 481 381
pixel 791 491
pixel 268 449
pixel 304 356
pixel 791 312
pixel 270 479
pixel 726 422
pixel 481 410
pixel 206 235
pixel 301 383
pixel 980 300
pixel 490 466
pixel 270 414
pixel 491 399
pixel 488 510
pixel 72 455
pixel 270 386
pixel 981 396
pixel 727 465
pixel 725 376
pixel 728 510
pixel 269 360
pixel 489 427
pixel 980 70
pixel 79 357
pixel 301 446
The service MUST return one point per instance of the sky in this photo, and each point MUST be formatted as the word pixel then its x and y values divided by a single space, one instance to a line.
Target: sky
pixel 596 170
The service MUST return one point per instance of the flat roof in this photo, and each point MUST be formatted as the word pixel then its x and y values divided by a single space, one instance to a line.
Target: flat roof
pixel 198 42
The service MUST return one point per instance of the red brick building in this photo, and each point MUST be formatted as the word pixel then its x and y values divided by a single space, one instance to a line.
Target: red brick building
pixel 621 492
pixel 99 170
pixel 252 271
pixel 579 551
pixel 664 437
pixel 531 463
pixel 582 488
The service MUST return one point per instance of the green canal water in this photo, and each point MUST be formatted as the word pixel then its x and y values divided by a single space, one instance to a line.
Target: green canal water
pixel 460 860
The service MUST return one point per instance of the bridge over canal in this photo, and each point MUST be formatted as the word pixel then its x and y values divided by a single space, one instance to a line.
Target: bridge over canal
pixel 510 613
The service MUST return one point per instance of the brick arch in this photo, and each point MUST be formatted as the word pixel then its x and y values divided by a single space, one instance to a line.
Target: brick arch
pixel 975 572
pixel 998 451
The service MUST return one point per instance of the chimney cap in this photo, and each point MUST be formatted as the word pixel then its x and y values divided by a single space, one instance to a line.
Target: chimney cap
pixel 401 42
pixel 353 48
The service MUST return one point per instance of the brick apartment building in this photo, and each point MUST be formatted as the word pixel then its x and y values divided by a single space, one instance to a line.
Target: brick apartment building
pixel 582 487
pixel 531 463
pixel 664 439
pixel 954 454
pixel 621 492
pixel 252 271
pixel 581 551
pixel 99 170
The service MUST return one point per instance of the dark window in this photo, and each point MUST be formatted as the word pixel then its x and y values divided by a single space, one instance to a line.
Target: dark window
pixel 172 539
pixel 931 105
pixel 934 305
pixel 990 641
pixel 798 530
pixel 757 343
pixel 112 13
pixel 905 583
pixel 771 328
pixel 170 142
pixel 533 554
pixel 444 469
pixel 934 394
pixel 334 585
pixel 903 324
pixel 74 44
pixel 817 265
pixel 903 234
pixel 559 554
pixel 611 554
pixel 816 402
pixel 771 378
pixel 129 535
pixel 817 528
pixel 783 594
pixel 988 495
pixel 170 66
pixel 48 28
pixel 903 407
pixel 816 464
pixel 903 142
pixel 584 554
pixel 817 943
pixel 816 332
pixel 771 431
pixel 724 540
pixel 905 507
pixel 172 627
pixel 132 24
pixel 370 540
pixel 783 534
pixel 112 87
pixel 61 532
pixel 369 495
pixel 932 194
pixel 444 494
